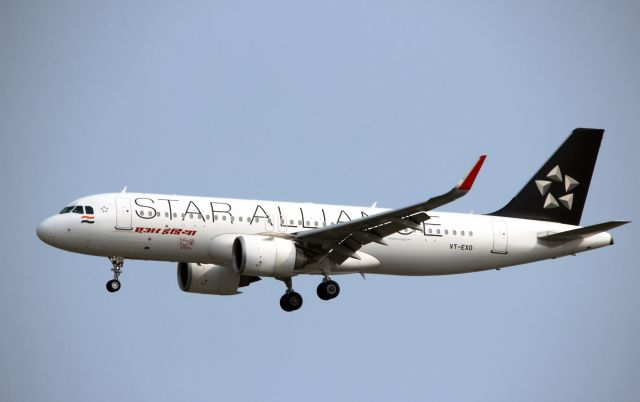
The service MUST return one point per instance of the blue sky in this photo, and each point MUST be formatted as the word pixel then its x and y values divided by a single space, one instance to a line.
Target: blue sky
pixel 336 102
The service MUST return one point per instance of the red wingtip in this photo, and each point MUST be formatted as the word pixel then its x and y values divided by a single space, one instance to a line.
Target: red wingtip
pixel 471 177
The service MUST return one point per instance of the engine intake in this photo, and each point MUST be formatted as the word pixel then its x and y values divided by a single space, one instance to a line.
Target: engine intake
pixel 266 256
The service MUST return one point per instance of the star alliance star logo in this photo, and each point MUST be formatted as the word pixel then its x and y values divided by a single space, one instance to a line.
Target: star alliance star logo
pixel 545 185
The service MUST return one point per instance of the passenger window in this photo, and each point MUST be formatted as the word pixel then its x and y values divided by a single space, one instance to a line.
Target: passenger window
pixel 446 231
pixel 291 222
pixel 157 213
pixel 438 231
pixel 66 210
pixel 462 232
pixel 430 230
pixel 207 217
pixel 257 219
pixel 224 217
pixel 240 219
pixel 166 214
pixel 216 217
pixel 470 233
pixel 175 214
pixel 89 209
pixel 454 232
pixel 151 213
pixel 315 223
pixel 307 223
pixel 78 210
pixel 190 216
pixel 299 223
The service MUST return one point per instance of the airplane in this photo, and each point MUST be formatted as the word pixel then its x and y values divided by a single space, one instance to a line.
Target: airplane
pixel 221 245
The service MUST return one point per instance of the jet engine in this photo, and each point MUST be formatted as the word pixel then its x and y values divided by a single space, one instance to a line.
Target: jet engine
pixel 211 279
pixel 266 256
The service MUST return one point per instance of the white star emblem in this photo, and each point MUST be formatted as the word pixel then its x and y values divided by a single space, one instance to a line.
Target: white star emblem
pixel 544 186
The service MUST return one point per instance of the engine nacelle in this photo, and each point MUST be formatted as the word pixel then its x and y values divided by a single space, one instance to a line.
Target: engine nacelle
pixel 266 256
pixel 208 279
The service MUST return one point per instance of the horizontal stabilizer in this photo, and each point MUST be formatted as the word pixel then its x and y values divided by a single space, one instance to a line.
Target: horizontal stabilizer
pixel 582 232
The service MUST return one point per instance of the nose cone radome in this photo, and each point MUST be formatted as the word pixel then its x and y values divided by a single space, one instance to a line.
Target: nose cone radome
pixel 46 230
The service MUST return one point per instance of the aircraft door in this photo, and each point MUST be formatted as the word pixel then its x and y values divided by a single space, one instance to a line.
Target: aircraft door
pixel 123 214
pixel 500 238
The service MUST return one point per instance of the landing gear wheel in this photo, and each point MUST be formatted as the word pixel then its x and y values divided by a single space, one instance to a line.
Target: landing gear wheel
pixel 328 290
pixel 284 303
pixel 113 285
pixel 291 301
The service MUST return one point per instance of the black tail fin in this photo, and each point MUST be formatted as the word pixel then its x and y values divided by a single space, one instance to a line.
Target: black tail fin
pixel 558 191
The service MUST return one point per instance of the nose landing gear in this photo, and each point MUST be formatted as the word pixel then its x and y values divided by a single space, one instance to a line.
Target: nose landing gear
pixel 114 284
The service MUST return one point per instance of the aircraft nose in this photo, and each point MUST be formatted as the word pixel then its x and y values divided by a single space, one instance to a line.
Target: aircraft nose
pixel 46 230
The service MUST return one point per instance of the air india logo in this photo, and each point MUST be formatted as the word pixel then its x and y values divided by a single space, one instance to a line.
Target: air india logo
pixel 566 198
pixel 185 244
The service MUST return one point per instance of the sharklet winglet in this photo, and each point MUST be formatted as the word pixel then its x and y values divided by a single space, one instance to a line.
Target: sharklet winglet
pixel 467 182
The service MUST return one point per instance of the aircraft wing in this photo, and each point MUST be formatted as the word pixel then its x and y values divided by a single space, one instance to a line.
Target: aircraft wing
pixel 342 241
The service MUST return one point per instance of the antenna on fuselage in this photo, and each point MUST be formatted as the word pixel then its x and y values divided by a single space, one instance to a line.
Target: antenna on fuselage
pixel 374 204
pixel 124 190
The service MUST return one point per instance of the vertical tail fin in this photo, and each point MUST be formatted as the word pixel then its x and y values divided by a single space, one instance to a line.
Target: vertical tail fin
pixel 559 190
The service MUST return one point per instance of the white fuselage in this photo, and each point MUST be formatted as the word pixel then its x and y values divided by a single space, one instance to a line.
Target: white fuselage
pixel 182 228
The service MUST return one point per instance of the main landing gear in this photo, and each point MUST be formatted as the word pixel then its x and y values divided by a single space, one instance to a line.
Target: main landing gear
pixel 291 300
pixel 328 289
pixel 114 284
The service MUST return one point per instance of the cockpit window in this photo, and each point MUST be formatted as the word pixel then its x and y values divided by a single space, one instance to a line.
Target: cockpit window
pixel 66 210
pixel 78 210
pixel 89 209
